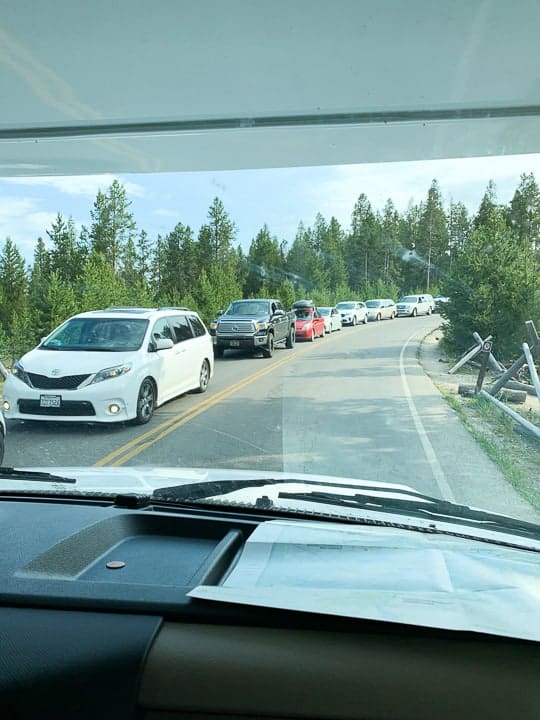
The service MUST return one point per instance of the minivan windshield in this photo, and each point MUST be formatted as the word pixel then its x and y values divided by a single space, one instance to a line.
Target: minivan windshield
pixel 97 335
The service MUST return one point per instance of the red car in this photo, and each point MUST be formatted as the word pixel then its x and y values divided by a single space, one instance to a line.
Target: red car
pixel 309 323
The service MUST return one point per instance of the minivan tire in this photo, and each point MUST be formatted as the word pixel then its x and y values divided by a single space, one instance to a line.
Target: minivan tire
pixel 146 402
pixel 204 377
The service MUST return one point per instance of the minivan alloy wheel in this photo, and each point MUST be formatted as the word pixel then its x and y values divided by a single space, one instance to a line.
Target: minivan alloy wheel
pixel 204 377
pixel 146 402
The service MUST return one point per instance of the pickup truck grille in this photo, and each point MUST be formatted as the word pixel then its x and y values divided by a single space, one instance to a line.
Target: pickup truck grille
pixel 229 327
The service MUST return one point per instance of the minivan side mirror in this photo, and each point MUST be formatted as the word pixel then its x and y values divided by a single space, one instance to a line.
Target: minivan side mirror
pixel 163 344
pixel 220 312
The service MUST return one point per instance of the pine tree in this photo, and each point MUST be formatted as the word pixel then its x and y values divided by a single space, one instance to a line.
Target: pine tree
pixel 13 285
pixel 217 235
pixel 495 284
pixel 67 253
pixel 432 242
pixel 524 214
pixel 113 224
pixel 264 264
pixel 363 262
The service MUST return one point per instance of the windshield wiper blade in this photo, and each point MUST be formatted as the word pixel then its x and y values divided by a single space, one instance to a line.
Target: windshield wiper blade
pixel 33 476
pixel 203 490
pixel 423 506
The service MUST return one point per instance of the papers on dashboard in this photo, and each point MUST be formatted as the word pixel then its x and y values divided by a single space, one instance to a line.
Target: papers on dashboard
pixel 386 574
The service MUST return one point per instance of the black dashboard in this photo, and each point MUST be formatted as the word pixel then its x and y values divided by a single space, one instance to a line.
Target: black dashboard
pixel 95 621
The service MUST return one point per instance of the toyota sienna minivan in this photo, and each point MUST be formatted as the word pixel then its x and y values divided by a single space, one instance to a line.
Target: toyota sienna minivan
pixel 111 365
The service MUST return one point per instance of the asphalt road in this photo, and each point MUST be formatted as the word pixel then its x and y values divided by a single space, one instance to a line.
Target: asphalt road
pixel 354 404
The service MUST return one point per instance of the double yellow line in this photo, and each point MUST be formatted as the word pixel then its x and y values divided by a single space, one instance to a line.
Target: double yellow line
pixel 125 452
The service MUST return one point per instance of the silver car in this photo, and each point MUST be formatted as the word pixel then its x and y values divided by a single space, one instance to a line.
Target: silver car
pixel 413 305
pixel 381 309
pixel 332 318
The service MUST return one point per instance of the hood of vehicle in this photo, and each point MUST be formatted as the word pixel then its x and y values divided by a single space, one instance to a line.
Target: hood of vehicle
pixel 144 481
pixel 58 363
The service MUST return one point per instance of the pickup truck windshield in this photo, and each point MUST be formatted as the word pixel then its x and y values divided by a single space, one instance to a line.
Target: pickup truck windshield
pixel 247 308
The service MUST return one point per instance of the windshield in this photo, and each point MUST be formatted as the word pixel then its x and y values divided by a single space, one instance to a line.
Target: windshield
pixel 247 308
pixel 97 335
pixel 324 311
pixel 234 186
pixel 304 313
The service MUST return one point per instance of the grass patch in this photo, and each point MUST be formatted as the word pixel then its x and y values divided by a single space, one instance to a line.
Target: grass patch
pixel 517 455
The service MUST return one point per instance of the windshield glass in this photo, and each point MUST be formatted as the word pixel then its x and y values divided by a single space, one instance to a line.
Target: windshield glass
pixel 247 308
pixel 304 313
pixel 324 311
pixel 345 306
pixel 98 335
pixel 180 222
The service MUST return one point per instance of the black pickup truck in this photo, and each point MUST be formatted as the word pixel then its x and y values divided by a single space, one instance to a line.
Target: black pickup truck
pixel 253 325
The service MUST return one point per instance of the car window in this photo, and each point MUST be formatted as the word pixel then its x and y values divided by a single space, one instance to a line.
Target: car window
pixel 181 328
pixel 162 329
pixel 198 328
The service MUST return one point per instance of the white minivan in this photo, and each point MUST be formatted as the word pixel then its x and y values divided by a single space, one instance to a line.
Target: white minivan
pixel 111 365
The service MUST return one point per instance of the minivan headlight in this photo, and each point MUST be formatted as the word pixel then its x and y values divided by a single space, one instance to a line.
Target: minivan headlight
pixel 21 373
pixel 111 372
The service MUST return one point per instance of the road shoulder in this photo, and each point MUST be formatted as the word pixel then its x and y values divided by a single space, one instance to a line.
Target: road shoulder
pixel 516 455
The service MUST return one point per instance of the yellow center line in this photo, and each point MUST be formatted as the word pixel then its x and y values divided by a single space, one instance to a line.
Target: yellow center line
pixel 125 452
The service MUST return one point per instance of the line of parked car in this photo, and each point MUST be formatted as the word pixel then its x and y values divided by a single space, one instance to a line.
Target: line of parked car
pixel 121 363
pixel 354 312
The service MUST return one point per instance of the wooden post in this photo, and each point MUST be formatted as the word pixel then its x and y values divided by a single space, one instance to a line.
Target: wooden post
pixel 533 337
pixel 495 364
pixel 532 369
pixel 486 354
pixel 514 415
pixel 469 356
pixel 507 375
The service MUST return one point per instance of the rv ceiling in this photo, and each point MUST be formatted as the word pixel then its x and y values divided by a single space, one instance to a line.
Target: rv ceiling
pixel 176 85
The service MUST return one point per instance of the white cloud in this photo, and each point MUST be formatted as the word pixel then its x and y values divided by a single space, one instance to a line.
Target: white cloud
pixel 462 180
pixel 23 221
pixel 86 185
pixel 163 212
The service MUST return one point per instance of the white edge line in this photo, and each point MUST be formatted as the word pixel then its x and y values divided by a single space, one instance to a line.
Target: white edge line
pixel 430 454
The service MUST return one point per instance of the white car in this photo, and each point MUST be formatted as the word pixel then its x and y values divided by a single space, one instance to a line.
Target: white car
pixel 384 309
pixel 332 318
pixel 413 305
pixel 352 312
pixel 111 365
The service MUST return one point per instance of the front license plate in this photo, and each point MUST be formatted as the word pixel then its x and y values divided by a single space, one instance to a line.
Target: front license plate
pixel 234 343
pixel 53 401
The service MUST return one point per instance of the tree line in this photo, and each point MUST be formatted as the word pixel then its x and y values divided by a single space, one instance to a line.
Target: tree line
pixel 488 263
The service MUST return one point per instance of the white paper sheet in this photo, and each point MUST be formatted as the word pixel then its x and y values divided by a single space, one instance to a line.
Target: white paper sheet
pixel 387 574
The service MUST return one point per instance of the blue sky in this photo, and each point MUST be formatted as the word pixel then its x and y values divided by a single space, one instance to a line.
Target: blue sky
pixel 279 197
